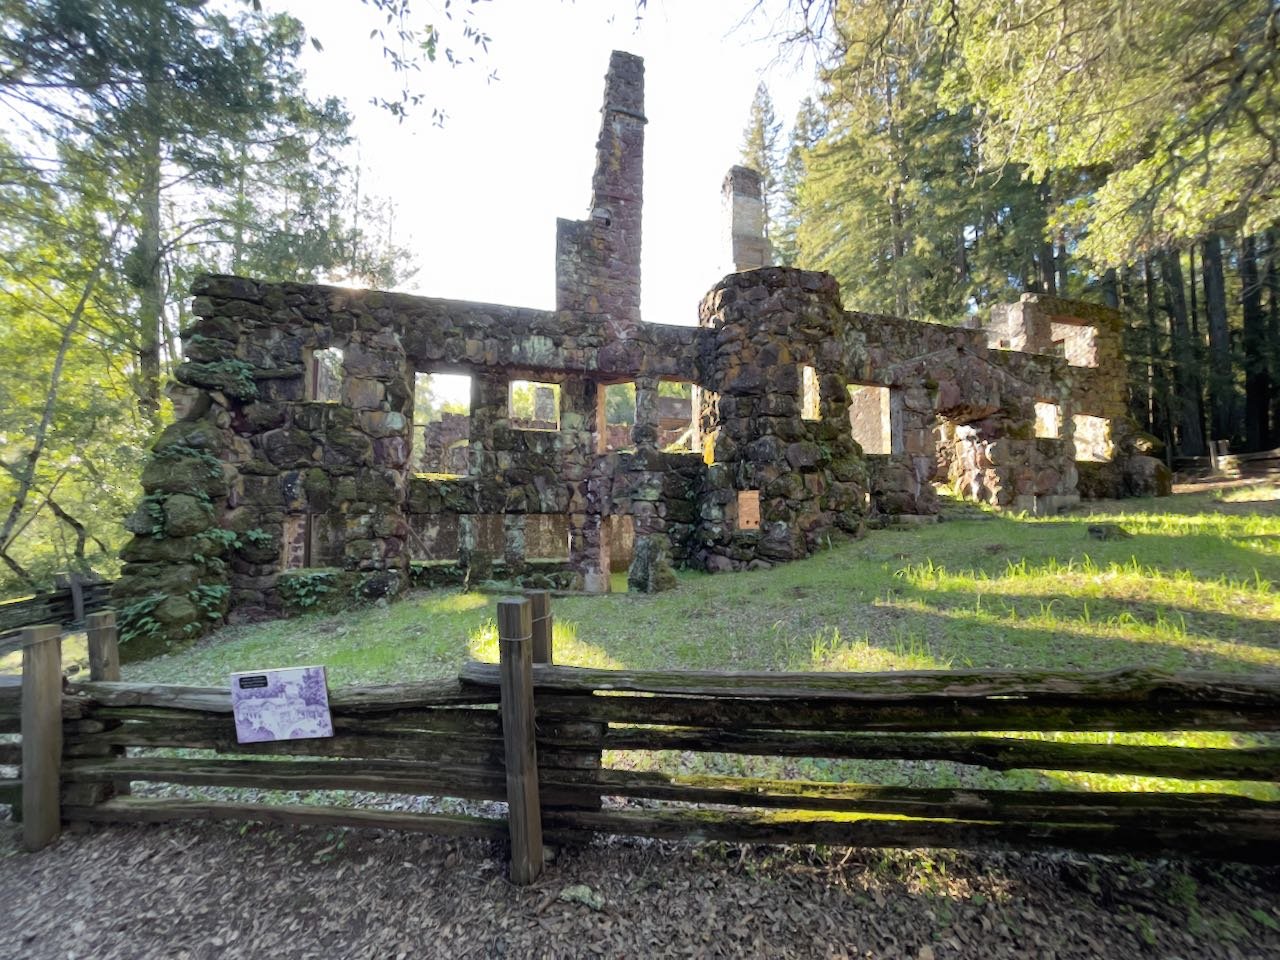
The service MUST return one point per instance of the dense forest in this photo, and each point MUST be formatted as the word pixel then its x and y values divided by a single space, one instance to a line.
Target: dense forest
pixel 145 141
pixel 957 153
pixel 953 154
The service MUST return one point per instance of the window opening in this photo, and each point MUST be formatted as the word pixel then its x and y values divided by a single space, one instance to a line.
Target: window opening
pixel 677 417
pixel 442 423
pixel 324 375
pixel 619 416
pixel 534 406
pixel 1048 421
pixel 1092 438
pixel 869 418
pixel 810 407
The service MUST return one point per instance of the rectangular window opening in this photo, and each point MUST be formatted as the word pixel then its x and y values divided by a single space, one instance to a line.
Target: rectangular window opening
pixel 1092 438
pixel 810 396
pixel 534 406
pixel 442 424
pixel 677 417
pixel 619 402
pixel 1048 420
pixel 869 418
pixel 324 375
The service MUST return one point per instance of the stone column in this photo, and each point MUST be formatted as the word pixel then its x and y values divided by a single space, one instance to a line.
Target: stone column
pixel 489 401
pixel 644 432
pixel 589 551
pixel 746 247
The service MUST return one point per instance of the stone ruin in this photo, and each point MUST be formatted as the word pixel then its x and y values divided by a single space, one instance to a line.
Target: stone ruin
pixel 290 476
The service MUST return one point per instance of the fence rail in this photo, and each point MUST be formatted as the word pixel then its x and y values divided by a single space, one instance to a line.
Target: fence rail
pixel 533 734
pixel 66 606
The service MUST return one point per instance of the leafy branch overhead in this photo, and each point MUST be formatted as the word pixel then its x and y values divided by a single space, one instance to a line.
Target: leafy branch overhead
pixel 1174 109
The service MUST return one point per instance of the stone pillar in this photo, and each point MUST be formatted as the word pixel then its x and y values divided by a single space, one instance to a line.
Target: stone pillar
pixel 644 432
pixel 746 247
pixel 376 528
pixel 589 551
pixel 489 402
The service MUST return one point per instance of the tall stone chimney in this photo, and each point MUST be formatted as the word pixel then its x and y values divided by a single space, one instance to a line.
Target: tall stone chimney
pixel 745 245
pixel 598 260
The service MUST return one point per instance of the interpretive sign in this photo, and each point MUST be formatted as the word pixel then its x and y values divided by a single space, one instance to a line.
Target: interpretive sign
pixel 286 704
pixel 748 509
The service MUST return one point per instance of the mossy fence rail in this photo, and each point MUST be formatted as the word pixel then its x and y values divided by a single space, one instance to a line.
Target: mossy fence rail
pixel 533 734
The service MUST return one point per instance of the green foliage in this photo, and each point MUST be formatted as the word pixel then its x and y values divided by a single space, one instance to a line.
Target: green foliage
pixel 761 151
pixel 620 403
pixel 153 506
pixel 894 198
pixel 137 620
pixel 235 376
pixel 304 590
pixel 210 599
pixel 1147 126
pixel 258 537
pixel 158 139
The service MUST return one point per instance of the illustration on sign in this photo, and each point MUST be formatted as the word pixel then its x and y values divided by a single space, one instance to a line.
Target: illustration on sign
pixel 287 704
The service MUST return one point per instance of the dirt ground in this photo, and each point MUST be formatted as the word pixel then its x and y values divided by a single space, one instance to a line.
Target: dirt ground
pixel 215 891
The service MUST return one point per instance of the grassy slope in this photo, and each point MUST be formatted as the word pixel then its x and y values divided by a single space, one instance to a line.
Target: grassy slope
pixel 1193 589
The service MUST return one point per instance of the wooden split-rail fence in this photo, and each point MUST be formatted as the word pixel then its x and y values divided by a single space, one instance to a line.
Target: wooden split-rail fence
pixel 68 605
pixel 533 734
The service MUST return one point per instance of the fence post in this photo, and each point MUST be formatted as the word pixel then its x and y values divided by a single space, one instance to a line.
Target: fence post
pixel 104 646
pixel 515 669
pixel 41 734
pixel 73 583
pixel 540 610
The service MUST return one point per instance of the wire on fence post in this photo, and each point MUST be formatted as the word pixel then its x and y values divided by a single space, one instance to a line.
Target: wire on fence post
pixel 41 734
pixel 540 607
pixel 515 670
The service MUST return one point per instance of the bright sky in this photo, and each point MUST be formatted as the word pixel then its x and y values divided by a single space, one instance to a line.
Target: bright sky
pixel 477 199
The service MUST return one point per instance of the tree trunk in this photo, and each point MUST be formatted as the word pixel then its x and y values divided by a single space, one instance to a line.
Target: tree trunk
pixel 1197 340
pixel 1111 289
pixel 1186 375
pixel 1061 263
pixel 149 279
pixel 1215 305
pixel 1048 274
pixel 1273 332
pixel 1257 377
pixel 1158 376
pixel 1139 379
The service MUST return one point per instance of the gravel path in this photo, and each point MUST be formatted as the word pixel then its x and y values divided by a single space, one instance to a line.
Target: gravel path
pixel 219 891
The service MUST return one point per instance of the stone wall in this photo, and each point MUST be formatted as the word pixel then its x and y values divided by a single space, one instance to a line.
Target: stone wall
pixel 444 444
pixel 260 497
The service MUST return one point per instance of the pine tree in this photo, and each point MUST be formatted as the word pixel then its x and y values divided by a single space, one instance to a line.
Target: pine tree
pixel 760 152
pixel 806 133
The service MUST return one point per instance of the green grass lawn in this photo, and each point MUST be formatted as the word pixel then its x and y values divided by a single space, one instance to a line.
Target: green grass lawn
pixel 1192 589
